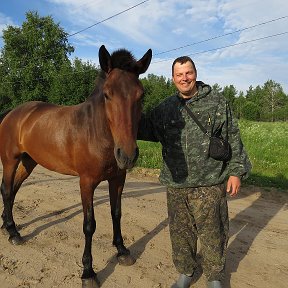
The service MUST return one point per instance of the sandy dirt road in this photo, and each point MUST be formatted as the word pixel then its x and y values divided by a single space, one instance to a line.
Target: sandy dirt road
pixel 48 213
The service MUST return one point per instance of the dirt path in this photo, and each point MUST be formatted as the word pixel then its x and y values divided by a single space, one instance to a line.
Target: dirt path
pixel 49 214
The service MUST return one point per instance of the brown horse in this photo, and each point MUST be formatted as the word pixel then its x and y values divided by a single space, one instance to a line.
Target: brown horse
pixel 95 140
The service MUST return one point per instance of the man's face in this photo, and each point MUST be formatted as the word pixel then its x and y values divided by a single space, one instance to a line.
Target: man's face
pixel 184 79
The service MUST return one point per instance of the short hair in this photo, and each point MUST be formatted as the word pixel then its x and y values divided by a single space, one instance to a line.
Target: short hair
pixel 182 60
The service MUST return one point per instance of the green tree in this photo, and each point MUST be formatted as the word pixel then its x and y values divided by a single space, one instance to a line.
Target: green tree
pixel 230 94
pixel 216 87
pixel 238 105
pixel 273 99
pixel 254 95
pixel 74 83
pixel 156 89
pixel 282 113
pixel 250 111
pixel 30 56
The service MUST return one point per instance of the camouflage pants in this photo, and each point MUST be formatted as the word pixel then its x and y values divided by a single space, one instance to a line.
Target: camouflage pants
pixel 199 213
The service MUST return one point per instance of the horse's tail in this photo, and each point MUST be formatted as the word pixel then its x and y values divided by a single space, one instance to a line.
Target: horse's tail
pixel 3 115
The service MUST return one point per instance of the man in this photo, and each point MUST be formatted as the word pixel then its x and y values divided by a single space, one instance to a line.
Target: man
pixel 196 194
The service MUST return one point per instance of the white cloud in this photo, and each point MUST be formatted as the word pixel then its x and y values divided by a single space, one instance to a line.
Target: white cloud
pixel 138 24
pixel 169 25
pixel 4 22
pixel 203 12
pixel 84 40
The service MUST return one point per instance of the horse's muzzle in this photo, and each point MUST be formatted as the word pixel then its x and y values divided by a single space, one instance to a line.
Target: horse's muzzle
pixel 123 160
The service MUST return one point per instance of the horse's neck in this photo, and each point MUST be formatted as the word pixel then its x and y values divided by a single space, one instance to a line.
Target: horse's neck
pixel 93 113
pixel 93 117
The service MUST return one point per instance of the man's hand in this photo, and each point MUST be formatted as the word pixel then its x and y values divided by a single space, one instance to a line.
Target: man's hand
pixel 233 185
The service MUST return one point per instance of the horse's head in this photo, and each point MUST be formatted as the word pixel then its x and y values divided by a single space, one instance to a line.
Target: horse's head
pixel 123 92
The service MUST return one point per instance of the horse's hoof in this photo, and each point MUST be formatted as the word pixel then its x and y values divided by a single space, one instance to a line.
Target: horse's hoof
pixel 4 230
pixel 126 260
pixel 16 240
pixel 91 282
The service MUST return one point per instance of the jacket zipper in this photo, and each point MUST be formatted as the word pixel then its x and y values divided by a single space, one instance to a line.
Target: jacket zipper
pixel 186 143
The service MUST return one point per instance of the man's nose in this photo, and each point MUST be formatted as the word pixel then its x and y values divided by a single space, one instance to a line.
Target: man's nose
pixel 184 77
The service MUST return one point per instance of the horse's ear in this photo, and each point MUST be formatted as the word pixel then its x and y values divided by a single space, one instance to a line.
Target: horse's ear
pixel 105 59
pixel 144 62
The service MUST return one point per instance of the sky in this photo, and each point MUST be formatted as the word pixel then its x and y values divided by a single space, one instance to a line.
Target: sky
pixel 232 42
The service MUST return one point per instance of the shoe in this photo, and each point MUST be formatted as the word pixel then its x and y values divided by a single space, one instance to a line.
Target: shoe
pixel 214 284
pixel 183 281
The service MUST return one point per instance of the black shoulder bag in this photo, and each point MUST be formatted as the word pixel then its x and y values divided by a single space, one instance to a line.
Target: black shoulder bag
pixel 219 148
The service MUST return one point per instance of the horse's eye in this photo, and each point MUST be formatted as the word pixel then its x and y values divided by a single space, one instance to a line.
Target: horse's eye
pixel 106 96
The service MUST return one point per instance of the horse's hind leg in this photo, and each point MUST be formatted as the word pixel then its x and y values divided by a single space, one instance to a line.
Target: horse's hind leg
pixel 13 176
pixel 9 171
pixel 24 169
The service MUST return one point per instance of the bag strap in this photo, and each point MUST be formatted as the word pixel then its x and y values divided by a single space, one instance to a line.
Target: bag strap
pixel 226 106
pixel 196 120
pixel 201 126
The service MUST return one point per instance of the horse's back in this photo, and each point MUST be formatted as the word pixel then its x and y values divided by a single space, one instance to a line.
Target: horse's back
pixel 22 118
pixel 33 128
pixel 23 111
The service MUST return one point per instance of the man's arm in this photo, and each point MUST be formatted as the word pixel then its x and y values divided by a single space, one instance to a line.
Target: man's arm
pixel 233 185
pixel 146 129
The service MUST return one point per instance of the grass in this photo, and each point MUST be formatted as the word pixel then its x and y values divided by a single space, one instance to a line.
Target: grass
pixel 267 147
pixel 150 155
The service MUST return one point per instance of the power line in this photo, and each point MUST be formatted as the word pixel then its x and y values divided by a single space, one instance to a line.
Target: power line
pixel 188 45
pixel 43 78
pixel 177 48
pixel 222 35
pixel 191 54
pixel 117 14
pixel 84 29
pixel 227 46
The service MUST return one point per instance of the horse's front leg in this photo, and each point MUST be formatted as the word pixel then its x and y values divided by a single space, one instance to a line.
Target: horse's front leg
pixel 89 277
pixel 116 186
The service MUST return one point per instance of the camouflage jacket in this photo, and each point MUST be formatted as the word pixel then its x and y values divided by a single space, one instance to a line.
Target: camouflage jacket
pixel 185 147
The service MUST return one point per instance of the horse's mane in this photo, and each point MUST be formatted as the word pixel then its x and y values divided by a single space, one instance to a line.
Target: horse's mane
pixel 121 59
